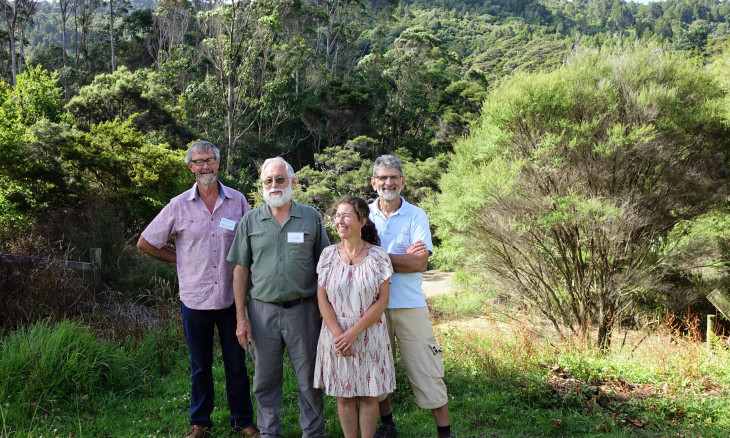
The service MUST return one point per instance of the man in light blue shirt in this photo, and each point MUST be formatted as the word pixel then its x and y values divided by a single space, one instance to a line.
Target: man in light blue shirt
pixel 404 233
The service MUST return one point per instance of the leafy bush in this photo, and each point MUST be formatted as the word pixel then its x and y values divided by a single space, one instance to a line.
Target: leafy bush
pixel 575 177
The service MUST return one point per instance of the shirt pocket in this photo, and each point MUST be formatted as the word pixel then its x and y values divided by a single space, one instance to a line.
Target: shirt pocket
pixel 302 251
pixel 402 241
pixel 263 244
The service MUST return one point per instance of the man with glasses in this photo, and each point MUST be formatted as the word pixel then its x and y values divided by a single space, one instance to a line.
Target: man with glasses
pixel 404 233
pixel 276 250
pixel 204 221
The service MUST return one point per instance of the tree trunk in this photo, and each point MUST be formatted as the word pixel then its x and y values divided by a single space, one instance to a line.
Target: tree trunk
pixel 111 34
pixel 605 329
pixel 230 121
pixel 10 16
pixel 64 17
pixel 12 56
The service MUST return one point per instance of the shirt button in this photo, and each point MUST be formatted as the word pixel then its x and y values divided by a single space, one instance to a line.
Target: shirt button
pixel 211 219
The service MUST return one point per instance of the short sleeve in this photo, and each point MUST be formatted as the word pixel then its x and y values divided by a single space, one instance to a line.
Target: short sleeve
pixel 383 265
pixel 324 265
pixel 240 252
pixel 420 229
pixel 161 227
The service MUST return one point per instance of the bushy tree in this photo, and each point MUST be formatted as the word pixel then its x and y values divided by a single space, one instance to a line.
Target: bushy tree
pixel 575 176
pixel 122 94
pixel 115 163
pixel 30 171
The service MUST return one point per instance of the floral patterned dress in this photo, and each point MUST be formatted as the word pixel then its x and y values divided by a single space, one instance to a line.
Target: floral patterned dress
pixel 351 290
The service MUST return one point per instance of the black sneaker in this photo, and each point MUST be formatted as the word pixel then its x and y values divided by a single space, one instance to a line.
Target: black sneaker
pixel 386 430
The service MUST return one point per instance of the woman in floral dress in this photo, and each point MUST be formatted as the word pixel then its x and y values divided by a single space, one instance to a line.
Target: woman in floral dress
pixel 354 357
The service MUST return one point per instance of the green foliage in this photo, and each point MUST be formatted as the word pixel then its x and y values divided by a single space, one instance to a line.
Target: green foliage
pixel 343 172
pixel 15 202
pixel 37 96
pixel 116 163
pixel 30 173
pixel 122 95
pixel 575 175
pixel 506 376
pixel 45 364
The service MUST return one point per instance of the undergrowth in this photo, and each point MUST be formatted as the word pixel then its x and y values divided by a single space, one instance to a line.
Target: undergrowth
pixel 126 375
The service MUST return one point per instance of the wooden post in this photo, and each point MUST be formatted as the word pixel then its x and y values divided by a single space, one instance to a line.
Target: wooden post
pixel 96 263
pixel 720 301
pixel 710 333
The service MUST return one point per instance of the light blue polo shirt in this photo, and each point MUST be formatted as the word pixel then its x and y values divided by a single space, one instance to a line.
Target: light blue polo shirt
pixel 405 226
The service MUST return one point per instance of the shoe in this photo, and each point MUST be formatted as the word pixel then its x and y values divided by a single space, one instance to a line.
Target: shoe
pixel 250 431
pixel 198 432
pixel 386 430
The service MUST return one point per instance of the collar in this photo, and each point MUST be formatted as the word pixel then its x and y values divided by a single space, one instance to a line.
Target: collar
pixel 376 205
pixel 222 192
pixel 296 210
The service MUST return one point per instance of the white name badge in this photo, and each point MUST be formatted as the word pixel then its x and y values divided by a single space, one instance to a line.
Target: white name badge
pixel 296 237
pixel 227 224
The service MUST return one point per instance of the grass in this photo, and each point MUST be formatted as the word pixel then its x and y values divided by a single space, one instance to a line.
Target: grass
pixel 507 376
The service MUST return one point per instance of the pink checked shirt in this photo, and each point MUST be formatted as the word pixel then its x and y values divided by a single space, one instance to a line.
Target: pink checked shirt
pixel 202 241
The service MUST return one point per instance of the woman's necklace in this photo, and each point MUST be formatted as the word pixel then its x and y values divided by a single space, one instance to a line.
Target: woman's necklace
pixel 356 255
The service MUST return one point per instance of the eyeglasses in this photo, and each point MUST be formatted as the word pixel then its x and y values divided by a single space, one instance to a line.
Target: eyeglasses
pixel 211 161
pixel 279 180
pixel 385 178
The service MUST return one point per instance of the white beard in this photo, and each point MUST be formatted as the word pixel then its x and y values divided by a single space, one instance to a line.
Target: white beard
pixel 207 179
pixel 277 201
pixel 390 195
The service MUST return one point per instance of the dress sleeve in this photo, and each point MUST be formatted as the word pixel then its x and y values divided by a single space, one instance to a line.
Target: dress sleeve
pixel 324 264
pixel 383 265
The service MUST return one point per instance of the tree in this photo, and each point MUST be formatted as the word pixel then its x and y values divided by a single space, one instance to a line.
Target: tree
pixel 63 5
pixel 121 95
pixel 84 11
pixel 242 45
pixel 111 34
pixel 17 16
pixel 31 173
pixel 115 163
pixel 574 176
pixel 339 19
pixel 171 21
pixel 417 70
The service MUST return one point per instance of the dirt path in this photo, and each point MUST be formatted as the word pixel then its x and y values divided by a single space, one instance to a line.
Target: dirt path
pixel 436 282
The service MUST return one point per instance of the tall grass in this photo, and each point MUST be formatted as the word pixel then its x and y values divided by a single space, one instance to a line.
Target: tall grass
pixel 506 373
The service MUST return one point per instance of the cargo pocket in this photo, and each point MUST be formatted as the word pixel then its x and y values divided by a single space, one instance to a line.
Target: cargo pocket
pixel 436 356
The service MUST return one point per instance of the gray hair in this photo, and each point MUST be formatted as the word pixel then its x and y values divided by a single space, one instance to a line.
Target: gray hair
pixel 387 161
pixel 289 169
pixel 201 146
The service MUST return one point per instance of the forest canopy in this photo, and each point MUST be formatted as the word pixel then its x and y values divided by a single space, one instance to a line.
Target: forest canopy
pixel 576 149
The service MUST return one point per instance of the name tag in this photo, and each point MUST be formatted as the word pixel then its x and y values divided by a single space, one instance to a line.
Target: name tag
pixel 296 237
pixel 227 224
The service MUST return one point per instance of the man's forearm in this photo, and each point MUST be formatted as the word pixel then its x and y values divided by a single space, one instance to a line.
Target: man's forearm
pixel 164 254
pixel 409 263
pixel 240 290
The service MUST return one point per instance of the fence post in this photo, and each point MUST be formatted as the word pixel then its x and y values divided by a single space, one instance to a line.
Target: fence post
pixel 96 263
pixel 710 333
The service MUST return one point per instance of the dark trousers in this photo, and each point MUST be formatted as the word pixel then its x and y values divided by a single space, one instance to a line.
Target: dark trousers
pixel 199 328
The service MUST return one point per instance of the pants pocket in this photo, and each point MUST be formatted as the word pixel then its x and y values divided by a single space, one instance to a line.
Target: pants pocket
pixel 436 359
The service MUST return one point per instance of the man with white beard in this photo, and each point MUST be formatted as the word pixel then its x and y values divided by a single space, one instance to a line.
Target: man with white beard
pixel 276 250
pixel 404 233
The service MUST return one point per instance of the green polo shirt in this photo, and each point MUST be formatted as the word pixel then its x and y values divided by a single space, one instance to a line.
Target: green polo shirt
pixel 282 259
